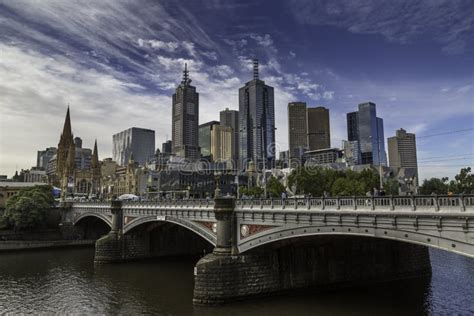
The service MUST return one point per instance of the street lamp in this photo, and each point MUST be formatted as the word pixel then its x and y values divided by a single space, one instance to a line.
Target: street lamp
pixel 264 184
pixel 379 159
pixel 217 192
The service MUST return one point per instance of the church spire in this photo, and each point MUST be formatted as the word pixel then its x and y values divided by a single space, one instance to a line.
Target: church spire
pixel 67 132
pixel 95 157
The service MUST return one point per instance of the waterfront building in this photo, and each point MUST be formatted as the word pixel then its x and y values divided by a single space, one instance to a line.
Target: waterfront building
pixel 319 135
pixel 402 151
pixel 230 118
pixel 185 120
pixel 194 184
pixel 205 139
pixel 139 141
pixel 128 179
pixel 256 123
pixel 366 129
pixel 297 129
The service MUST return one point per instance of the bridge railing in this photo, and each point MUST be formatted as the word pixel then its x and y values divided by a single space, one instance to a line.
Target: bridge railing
pixel 91 205
pixel 171 203
pixel 454 203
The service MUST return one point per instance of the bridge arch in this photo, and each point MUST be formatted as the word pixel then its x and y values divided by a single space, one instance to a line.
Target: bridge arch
pixel 106 219
pixel 189 225
pixel 280 233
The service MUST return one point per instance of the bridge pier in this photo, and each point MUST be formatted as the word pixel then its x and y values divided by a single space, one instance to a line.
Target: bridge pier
pixel 110 247
pixel 156 239
pixel 321 262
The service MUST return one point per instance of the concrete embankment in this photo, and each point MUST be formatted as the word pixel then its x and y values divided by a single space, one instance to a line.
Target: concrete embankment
pixel 10 245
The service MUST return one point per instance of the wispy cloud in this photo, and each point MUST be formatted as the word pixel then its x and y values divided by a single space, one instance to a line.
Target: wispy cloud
pixel 157 44
pixel 118 62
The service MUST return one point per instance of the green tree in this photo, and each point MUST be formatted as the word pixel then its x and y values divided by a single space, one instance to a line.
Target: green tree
pixel 255 192
pixel 274 187
pixel 28 209
pixel 463 182
pixel 369 178
pixel 345 186
pixel 312 180
pixel 434 185
pixel 317 180
pixel 391 186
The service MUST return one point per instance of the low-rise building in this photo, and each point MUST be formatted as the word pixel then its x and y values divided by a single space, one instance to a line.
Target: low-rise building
pixel 35 175
pixel 323 156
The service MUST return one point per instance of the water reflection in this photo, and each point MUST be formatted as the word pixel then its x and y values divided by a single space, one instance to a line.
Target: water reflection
pixel 68 281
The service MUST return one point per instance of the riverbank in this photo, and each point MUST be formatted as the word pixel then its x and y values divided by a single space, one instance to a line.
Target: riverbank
pixel 16 245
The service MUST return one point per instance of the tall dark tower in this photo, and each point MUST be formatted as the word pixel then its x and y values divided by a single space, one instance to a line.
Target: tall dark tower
pixel 185 121
pixel 257 123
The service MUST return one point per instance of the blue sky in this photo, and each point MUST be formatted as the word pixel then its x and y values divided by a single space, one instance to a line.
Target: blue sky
pixel 118 62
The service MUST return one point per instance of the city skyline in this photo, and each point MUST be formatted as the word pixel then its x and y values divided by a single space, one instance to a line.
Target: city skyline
pixel 48 64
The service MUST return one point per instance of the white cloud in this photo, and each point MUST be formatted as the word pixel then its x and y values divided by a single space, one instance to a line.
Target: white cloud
pixel 265 40
pixel 210 55
pixel 223 71
pixel 328 95
pixel 35 91
pixel 190 48
pixel 157 44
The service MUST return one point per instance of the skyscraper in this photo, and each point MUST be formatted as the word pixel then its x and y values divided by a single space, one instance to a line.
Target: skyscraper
pixel 366 129
pixel 257 123
pixel 137 141
pixel 205 139
pixel 185 119
pixel 319 135
pixel 230 118
pixel 221 144
pixel 402 150
pixel 297 129
pixel 44 156
pixel 352 126
pixel 166 147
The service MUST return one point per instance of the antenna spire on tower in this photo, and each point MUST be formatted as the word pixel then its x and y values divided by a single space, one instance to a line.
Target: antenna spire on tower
pixel 186 74
pixel 255 68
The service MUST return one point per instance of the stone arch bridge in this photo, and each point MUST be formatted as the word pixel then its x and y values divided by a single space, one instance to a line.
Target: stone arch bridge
pixel 247 230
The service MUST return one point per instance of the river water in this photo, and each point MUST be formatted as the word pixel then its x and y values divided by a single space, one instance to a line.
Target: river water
pixel 67 281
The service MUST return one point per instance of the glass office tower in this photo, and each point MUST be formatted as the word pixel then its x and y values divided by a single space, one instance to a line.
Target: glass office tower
pixel 367 129
pixel 257 123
